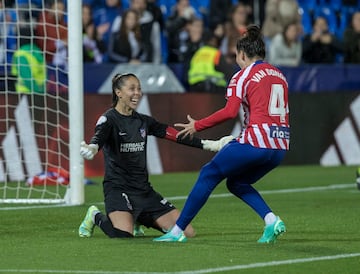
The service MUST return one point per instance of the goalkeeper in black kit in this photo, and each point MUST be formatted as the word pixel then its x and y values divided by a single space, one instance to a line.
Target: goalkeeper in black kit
pixel 130 200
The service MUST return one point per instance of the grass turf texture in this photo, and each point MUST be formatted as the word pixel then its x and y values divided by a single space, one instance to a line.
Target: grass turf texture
pixel 319 223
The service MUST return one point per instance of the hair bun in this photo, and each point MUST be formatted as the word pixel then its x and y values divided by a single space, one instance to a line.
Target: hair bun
pixel 253 32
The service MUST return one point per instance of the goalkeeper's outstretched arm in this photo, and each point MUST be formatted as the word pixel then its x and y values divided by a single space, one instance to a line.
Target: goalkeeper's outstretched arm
pixel 211 145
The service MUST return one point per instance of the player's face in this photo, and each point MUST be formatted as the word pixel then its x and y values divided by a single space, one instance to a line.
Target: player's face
pixel 129 95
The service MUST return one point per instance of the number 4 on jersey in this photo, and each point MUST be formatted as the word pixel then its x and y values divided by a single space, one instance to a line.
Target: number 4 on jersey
pixel 277 105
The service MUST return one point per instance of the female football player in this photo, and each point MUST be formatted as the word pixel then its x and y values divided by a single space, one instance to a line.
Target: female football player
pixel 121 133
pixel 262 90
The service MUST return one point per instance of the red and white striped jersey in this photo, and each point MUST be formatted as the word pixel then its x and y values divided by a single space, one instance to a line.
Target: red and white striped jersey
pixel 263 93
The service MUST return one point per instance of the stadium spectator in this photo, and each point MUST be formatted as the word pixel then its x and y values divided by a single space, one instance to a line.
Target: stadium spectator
pixel 51 32
pixel 209 71
pixel 52 39
pixel 196 30
pixel 320 46
pixel 121 133
pixel 278 14
pixel 93 47
pixel 218 12
pixel 177 33
pixel 234 27
pixel 286 48
pixel 352 40
pixel 104 16
pixel 262 90
pixel 256 10
pixel 28 66
pixel 150 31
pixel 156 12
pixel 125 45
pixel 8 33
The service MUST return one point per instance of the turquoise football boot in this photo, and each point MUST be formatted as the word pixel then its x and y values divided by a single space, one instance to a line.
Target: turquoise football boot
pixel 272 231
pixel 168 237
pixel 86 228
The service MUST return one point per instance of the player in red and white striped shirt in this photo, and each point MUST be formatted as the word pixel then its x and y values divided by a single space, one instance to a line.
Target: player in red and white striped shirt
pixel 262 90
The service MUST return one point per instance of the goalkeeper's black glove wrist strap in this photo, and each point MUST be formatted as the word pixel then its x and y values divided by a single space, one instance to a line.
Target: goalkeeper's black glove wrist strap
pixel 193 142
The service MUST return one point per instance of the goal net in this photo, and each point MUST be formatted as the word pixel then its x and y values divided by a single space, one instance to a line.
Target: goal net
pixel 39 143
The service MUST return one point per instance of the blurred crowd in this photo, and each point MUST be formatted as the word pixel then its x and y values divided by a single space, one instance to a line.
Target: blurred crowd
pixel 186 31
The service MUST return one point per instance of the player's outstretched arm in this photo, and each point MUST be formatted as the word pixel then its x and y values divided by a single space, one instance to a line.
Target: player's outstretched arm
pixel 211 145
pixel 173 135
pixel 88 151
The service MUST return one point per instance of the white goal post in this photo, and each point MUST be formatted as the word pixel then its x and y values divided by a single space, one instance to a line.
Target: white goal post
pixel 41 103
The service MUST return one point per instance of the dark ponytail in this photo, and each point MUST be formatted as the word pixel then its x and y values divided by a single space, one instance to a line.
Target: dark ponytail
pixel 252 43
pixel 118 81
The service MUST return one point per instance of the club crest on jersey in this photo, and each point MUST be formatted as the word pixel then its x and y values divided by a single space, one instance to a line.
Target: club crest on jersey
pixel 143 132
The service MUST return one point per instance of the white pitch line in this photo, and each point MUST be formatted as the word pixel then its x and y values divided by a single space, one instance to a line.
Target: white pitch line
pixel 272 263
pixel 32 207
pixel 279 191
pixel 200 271
pixel 222 195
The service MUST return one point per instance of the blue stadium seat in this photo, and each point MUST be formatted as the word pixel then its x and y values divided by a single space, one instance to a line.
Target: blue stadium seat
pixel 306 20
pixel 308 5
pixel 334 4
pixel 345 19
pixel 125 4
pixel 201 7
pixel 166 7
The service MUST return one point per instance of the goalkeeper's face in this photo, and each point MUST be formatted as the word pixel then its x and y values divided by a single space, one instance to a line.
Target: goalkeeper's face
pixel 129 94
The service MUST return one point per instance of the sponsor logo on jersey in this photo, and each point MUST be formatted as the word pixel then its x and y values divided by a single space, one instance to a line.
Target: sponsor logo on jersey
pixel 279 132
pixel 132 147
pixel 122 133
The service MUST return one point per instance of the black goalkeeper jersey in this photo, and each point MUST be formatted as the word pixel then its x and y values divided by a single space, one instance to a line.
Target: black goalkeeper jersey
pixel 123 140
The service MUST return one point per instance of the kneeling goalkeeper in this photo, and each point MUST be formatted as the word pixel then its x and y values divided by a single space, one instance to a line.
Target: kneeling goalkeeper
pixel 121 133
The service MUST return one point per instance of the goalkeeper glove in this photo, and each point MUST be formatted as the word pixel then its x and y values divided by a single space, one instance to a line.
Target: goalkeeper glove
pixel 215 146
pixel 88 151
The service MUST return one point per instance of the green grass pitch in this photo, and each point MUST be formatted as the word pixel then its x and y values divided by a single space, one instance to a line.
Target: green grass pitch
pixel 320 207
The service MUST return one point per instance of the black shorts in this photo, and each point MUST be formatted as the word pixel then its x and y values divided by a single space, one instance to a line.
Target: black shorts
pixel 145 208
